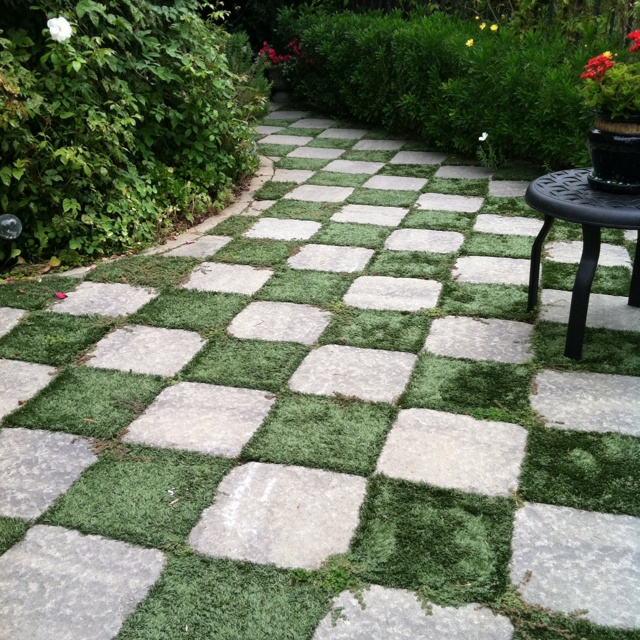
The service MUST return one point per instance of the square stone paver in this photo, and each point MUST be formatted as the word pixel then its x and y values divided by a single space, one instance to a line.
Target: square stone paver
pixel 284 515
pixel 369 374
pixel 207 418
pixel 201 248
pixel 569 560
pixel 266 130
pixel 354 166
pixel 396 294
pixel 104 299
pixel 508 188
pixel 418 157
pixel 151 350
pixel 344 134
pixel 588 401
pixel 20 381
pixel 611 255
pixel 454 451
pixel 60 584
pixel 292 175
pixel 319 193
pixel 9 318
pixel 465 173
pixel 278 138
pixel 480 339
pixel 489 270
pixel 283 114
pixel 283 229
pixel 424 240
pixel 605 312
pixel 315 123
pixel 227 278
pixel 280 322
pixel 631 235
pixel 36 467
pixel 378 145
pixel 378 613
pixel 368 214
pixel 315 153
pixel 395 183
pixel 507 225
pixel 444 202
pixel 327 257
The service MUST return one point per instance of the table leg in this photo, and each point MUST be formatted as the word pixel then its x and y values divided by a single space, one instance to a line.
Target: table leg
pixel 634 291
pixel 582 291
pixel 534 273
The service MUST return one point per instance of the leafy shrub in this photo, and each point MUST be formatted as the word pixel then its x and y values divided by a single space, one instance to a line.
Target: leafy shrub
pixel 132 123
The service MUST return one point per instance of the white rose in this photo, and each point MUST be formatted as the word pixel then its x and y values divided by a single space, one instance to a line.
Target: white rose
pixel 484 136
pixel 59 28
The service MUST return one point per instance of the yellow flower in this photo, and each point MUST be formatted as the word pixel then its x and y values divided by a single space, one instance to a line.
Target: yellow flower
pixel 483 25
pixel 607 54
pixel 469 42
pixel 477 17
pixel 494 27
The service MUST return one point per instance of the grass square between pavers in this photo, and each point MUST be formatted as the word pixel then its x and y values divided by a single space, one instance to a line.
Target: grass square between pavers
pixel 592 471
pixel 278 122
pixel 257 251
pixel 409 170
pixel 274 190
pixel 52 338
pixel 563 231
pixel 352 235
pixel 335 179
pixel 306 287
pixel 418 145
pixel 458 186
pixel 439 220
pixel 299 210
pixel 89 402
pixel 507 302
pixel 383 197
pixel 12 530
pixel 485 390
pixel 300 131
pixel 508 207
pixel 191 310
pixel 233 226
pixel 614 281
pixel 368 156
pixel 412 264
pixel 148 497
pixel 205 599
pixel 328 433
pixel 331 143
pixel 516 172
pixel 390 330
pixel 451 547
pixel 503 246
pixel 253 364
pixel 32 294
pixel 306 164
pixel 275 150
pixel 145 271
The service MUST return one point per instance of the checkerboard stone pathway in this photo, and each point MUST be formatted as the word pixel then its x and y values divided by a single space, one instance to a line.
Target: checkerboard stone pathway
pixel 279 229
pixel 571 252
pixel 323 257
pixel 201 248
pixel 488 270
pixel 20 381
pixel 9 318
pixel 424 240
pixel 394 294
pixel 227 278
pixel 367 214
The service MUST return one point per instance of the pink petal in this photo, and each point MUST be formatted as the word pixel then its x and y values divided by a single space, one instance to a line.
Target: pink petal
pixel 61 296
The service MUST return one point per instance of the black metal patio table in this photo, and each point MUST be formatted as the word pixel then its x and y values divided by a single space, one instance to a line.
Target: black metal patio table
pixel 566 195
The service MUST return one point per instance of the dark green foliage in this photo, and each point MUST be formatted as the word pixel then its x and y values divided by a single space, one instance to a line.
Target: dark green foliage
pixel 34 294
pixel 412 264
pixel 145 271
pixel 352 235
pixel 12 531
pixel 305 287
pixel 508 302
pixel 256 251
pixel 614 281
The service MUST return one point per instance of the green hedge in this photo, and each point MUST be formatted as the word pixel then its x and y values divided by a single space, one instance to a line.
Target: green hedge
pixel 419 75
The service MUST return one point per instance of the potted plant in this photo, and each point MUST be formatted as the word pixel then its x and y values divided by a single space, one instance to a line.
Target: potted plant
pixel 612 90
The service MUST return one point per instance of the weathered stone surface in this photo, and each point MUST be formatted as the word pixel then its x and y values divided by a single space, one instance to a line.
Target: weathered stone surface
pixel 444 202
pixel 292 175
pixel 104 299
pixel 389 183
pixel 575 561
pixel 149 350
pixel 279 138
pixel 284 114
pixel 326 257
pixel 319 193
pixel 631 235
pixel 354 166
pixel 9 318
pixel 266 130
pixel 367 214
pixel 466 173
pixel 315 123
pixel 480 339
pixel 280 322
pixel 454 451
pixel 508 188
pixel 611 255
pixel 396 294
pixel 201 248
pixel 316 153
pixel 344 134
pixel 588 401
pixel 36 467
pixel 424 240
pixel 489 270
pixel 368 374
pixel 19 381
pixel 207 418
pixel 507 225
pixel 283 229
pixel 394 614
pixel 379 145
pixel 418 157
pixel 227 278
pixel 284 515
pixel 58 584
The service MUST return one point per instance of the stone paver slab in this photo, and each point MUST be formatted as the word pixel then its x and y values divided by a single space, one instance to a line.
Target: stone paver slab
pixel 631 235
pixel 588 401
pixel 368 214
pixel 464 173
pixel 396 183
pixel 315 153
pixel 36 467
pixel 201 248
pixel 280 322
pixel 418 157
pixel 454 451
pixel 344 134
pixel 569 560
pixel 266 130
pixel 424 240
pixel 378 145
pixel 283 229
pixel 9 318
pixel 319 193
pixel 396 294
pixel 278 138
pixel 489 270
pixel 379 613
pixel 151 350
pixel 20 381
pixel 104 299
pixel 292 175
pixel 59 584
pixel 444 202
pixel 207 418
pixel 508 188
pixel 480 339
pixel 326 257
pixel 284 114
pixel 611 255
pixel 227 278
pixel 368 374
pixel 284 515
pixel 354 166
pixel 507 225
pixel 315 123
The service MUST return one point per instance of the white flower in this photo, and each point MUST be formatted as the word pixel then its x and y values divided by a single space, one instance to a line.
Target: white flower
pixel 484 136
pixel 59 28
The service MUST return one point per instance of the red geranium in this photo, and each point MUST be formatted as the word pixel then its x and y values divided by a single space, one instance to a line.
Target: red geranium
pixel 635 36
pixel 597 67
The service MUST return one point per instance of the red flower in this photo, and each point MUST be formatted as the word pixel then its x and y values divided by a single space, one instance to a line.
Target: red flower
pixel 635 36
pixel 596 68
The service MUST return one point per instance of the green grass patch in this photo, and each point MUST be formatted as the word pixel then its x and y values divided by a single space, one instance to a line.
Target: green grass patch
pixel 383 198
pixel 451 547
pixel 300 131
pixel 274 190
pixel 441 220
pixel 412 264
pixel 381 134
pixel 352 235
pixel 298 210
pixel 306 164
pixel 592 471
pixel 507 302
pixel 145 271
pixel 306 287
pixel 278 122
pixel 331 143
pixel 52 338
pixel 489 244
pixel 368 156
pixel 233 226
pixel 89 402
pixel 417 145
pixel 34 294
pixel 456 160
pixel 327 433
pixel 614 281
pixel 12 530
pixel 563 231
pixel 128 496
pixel 334 179
pixel 257 251
pixel 508 207
pixel 518 172
pixel 275 150
pixel 458 186
pixel 409 170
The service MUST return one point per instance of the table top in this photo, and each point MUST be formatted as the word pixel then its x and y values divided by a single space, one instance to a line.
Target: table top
pixel 567 195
